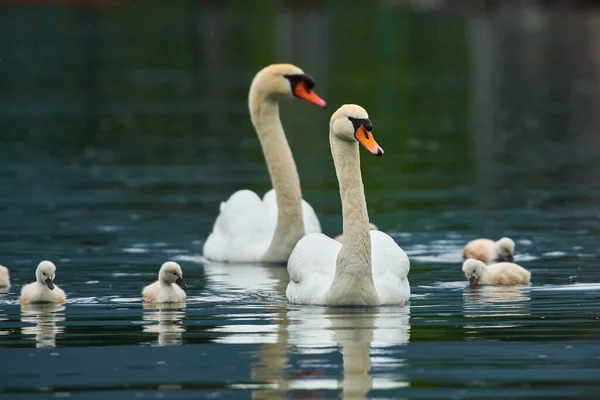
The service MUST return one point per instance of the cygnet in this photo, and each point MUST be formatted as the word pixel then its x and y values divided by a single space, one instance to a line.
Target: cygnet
pixel 43 290
pixel 169 286
pixel 503 273
pixel 4 277
pixel 489 252
pixel 340 238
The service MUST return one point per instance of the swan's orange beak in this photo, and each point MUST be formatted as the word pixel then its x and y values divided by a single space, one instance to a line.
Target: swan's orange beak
pixel 366 138
pixel 302 91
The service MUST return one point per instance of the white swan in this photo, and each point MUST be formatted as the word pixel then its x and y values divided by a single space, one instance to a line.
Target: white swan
pixel 4 277
pixel 249 229
pixel 503 273
pixel 489 252
pixel 169 286
pixel 369 268
pixel 43 290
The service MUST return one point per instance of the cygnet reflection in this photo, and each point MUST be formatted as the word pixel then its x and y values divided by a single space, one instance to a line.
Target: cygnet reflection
pixel 166 319
pixel 44 316
pixel 362 335
pixel 495 301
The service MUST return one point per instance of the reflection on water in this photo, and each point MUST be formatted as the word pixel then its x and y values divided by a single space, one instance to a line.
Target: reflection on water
pixel 44 316
pixel 496 301
pixel 362 335
pixel 170 322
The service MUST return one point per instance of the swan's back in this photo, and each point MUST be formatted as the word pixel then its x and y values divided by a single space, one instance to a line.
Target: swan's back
pixel 479 249
pixel 506 273
pixel 390 266
pixel 243 230
pixel 36 293
pixel 311 267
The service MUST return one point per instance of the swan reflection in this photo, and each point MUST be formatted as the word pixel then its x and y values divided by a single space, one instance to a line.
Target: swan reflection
pixel 44 316
pixel 364 337
pixel 170 325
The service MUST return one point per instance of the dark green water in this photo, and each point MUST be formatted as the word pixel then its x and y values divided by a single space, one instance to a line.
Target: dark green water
pixel 123 126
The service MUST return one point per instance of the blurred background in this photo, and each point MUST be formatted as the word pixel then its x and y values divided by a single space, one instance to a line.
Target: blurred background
pixel 497 94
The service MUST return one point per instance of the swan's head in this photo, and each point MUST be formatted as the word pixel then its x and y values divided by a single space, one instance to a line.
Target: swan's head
pixel 351 122
pixel 171 272
pixel 473 269
pixel 45 273
pixel 280 81
pixel 505 249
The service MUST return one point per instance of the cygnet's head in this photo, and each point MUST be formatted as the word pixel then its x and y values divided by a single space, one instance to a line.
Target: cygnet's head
pixel 280 81
pixel 473 269
pixel 171 272
pixel 45 273
pixel 505 250
pixel 351 123
pixel 4 277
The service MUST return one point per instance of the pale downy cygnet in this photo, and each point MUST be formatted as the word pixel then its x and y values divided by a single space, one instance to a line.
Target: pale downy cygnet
pixel 169 286
pixel 372 227
pixel 4 277
pixel 43 290
pixel 503 273
pixel 489 252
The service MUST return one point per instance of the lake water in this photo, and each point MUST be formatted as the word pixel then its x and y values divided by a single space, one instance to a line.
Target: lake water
pixel 123 127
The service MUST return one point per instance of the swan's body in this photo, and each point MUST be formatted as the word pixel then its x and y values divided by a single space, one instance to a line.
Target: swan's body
pixel 369 268
pixel 488 251
pixel 340 238
pixel 249 229
pixel 503 273
pixel 169 286
pixel 43 290
pixel 4 277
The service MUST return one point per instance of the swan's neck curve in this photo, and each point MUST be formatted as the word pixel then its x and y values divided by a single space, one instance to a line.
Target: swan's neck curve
pixel 264 112
pixel 353 282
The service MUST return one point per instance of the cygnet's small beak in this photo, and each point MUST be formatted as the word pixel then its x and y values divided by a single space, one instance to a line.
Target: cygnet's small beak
pixel 510 258
pixel 302 91
pixel 473 280
pixel 181 283
pixel 49 283
pixel 365 137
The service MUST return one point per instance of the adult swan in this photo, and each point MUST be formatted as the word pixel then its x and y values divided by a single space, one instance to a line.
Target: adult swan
pixel 249 229
pixel 369 268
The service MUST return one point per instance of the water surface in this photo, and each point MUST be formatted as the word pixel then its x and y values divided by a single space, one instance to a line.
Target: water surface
pixel 123 128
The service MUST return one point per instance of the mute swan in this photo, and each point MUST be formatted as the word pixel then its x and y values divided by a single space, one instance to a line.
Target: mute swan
pixel 489 252
pixel 163 290
pixel 4 277
pixel 249 229
pixel 43 290
pixel 503 273
pixel 372 227
pixel 369 268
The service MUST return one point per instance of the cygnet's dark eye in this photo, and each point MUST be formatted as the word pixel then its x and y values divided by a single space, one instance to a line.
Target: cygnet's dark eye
pixel 43 273
pixel 174 273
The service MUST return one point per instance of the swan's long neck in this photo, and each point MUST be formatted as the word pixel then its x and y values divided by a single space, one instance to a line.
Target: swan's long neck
pixel 284 176
pixel 353 275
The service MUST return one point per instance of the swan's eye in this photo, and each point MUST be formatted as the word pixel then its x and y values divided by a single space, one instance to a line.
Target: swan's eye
pixel 43 273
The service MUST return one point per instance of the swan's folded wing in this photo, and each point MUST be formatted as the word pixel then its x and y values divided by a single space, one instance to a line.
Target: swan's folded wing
pixel 244 226
pixel 390 269
pixel 309 217
pixel 311 268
